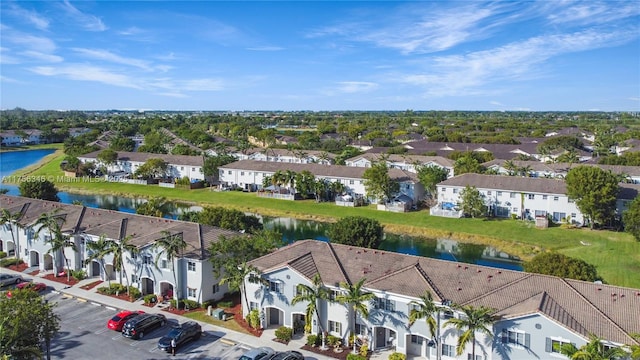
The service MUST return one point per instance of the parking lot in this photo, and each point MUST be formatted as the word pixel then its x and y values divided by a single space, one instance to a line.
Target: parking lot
pixel 84 335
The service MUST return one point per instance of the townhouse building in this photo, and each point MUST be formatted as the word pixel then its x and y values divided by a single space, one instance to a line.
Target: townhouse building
pixel 403 162
pixel 178 166
pixel 249 175
pixel 629 174
pixel 18 138
pixel 524 197
pixel 536 313
pixel 149 269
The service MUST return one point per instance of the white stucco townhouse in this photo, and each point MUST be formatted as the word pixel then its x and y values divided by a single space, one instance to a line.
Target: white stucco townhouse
pixel 249 174
pixel 178 167
pixel 537 313
pixel 149 270
pixel 402 162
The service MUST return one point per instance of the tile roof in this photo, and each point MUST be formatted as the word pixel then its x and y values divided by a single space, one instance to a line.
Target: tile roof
pixel 143 230
pixel 409 159
pixel 508 183
pixel 143 157
pixel 610 312
pixel 316 169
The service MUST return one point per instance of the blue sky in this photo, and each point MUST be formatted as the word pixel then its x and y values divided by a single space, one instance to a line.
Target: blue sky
pixel 319 55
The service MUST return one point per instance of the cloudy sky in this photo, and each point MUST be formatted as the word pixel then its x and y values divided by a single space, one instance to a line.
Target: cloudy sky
pixel 319 55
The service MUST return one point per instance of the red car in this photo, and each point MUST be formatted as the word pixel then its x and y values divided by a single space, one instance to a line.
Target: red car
pixel 116 322
pixel 29 285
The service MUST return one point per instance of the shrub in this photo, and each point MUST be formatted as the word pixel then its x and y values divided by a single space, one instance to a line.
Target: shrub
pixel 313 340
pixel 150 299
pixel 397 356
pixel 3 254
pixel 79 274
pixel 333 340
pixel 352 356
pixel 364 350
pixel 134 293
pixel 191 304
pixel 225 304
pixel 10 261
pixel 207 303
pixel 284 333
pixel 103 290
pixel 253 318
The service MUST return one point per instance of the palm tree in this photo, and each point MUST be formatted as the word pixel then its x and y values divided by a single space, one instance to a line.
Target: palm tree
pixel 424 309
pixel 7 217
pixel 635 349
pixel 157 206
pixel 474 319
pixel 593 350
pixel 99 250
pixel 357 298
pixel 511 167
pixel 119 249
pixel 57 240
pixel 312 295
pixel 235 278
pixel 172 247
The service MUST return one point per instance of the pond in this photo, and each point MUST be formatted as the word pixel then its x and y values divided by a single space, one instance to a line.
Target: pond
pixel 290 228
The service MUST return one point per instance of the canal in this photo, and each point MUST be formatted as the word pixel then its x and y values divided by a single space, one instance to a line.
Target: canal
pixel 290 228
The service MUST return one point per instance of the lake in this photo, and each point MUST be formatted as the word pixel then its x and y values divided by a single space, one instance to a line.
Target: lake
pixel 290 228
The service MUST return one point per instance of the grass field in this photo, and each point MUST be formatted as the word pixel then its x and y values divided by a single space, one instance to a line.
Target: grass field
pixel 616 255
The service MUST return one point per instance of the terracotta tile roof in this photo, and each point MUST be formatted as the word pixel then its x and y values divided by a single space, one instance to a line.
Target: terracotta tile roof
pixel 581 306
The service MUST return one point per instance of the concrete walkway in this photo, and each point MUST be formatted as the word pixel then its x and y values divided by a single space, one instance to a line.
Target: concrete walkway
pixel 226 335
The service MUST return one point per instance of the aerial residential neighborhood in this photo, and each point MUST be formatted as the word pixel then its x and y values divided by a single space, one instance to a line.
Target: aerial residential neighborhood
pixel 320 180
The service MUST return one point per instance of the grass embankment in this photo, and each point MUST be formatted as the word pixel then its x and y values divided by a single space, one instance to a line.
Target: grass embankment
pixel 615 255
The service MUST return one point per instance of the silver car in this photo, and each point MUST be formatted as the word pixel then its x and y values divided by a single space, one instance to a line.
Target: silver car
pixel 9 279
pixel 261 353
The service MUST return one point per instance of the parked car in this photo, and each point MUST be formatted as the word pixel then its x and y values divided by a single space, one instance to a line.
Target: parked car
pixel 183 333
pixel 9 279
pixel 261 353
pixel 144 323
pixel 117 322
pixel 288 355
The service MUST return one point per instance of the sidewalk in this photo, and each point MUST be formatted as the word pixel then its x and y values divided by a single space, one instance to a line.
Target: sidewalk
pixel 226 335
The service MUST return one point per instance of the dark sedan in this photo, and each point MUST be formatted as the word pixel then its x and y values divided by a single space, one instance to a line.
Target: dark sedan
pixel 142 324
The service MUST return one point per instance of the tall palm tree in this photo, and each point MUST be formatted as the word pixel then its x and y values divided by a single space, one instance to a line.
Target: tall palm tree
pixel 235 279
pixel 511 167
pixel 57 240
pixel 157 206
pixel 99 250
pixel 474 320
pixel 172 246
pixel 424 309
pixel 7 217
pixel 119 249
pixel 357 298
pixel 593 350
pixel 312 295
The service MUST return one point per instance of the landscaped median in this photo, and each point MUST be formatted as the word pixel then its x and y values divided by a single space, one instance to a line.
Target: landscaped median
pixel 616 255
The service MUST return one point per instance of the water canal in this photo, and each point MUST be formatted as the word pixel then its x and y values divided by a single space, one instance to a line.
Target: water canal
pixel 290 228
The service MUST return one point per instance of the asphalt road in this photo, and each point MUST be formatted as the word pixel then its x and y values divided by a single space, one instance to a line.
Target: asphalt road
pixel 84 335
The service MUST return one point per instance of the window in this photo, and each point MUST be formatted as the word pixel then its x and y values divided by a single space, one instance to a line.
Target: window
pixel 573 215
pixel 333 294
pixel 448 350
pixel 455 191
pixel 361 329
pixel 253 305
pixel 350 182
pixel 241 173
pixel 519 338
pixel 134 278
pixel 544 197
pixel 385 304
pixel 499 193
pixel 181 168
pixel 146 259
pixel 191 292
pixel 488 193
pixel 275 286
pixel 229 172
pixel 193 169
pixel 163 264
pixel 191 265
pixel 554 345
pixel 556 198
pixel 215 288
pixel 447 314
pixel 470 357
pixel 531 196
pixel 415 339
pixel 335 327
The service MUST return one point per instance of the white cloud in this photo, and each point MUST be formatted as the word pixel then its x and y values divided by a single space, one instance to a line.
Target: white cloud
pixel 356 86
pixel 28 16
pixel 42 56
pixel 87 73
pixel 173 94
pixel 8 79
pixel 89 22
pixel 466 74
pixel 114 58
pixel 28 41
pixel 591 12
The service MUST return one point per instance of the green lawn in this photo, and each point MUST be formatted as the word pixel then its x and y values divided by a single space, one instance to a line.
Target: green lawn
pixel 616 255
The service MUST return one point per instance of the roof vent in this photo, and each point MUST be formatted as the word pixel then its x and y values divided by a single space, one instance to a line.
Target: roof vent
pixel 479 270
pixel 459 288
